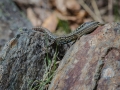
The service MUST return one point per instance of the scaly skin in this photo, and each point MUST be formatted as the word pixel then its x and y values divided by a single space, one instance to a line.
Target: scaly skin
pixel 82 30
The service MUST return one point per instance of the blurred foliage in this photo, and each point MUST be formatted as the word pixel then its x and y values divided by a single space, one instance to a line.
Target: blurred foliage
pixel 64 26
pixel 116 12
pixel 50 68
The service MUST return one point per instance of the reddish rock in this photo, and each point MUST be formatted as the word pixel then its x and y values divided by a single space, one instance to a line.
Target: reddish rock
pixel 92 63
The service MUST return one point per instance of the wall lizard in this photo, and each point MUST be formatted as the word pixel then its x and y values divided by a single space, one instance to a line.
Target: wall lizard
pixel 85 28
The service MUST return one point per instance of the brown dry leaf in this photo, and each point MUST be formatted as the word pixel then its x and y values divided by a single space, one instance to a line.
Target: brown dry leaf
pixel 32 2
pixel 51 23
pixel 79 20
pixel 81 15
pixel 74 26
pixel 87 20
pixel 62 17
pixel 60 5
pixel 72 5
pixel 32 17
pixel 42 13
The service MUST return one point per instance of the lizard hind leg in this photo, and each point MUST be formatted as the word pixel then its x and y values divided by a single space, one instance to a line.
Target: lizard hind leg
pixel 71 43
pixel 74 41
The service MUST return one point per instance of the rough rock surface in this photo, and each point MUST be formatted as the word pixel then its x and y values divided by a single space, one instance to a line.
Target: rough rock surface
pixel 23 60
pixel 11 18
pixel 92 63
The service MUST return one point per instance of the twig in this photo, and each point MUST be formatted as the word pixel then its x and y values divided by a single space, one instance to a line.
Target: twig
pixel 96 10
pixel 91 13
pixel 110 8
